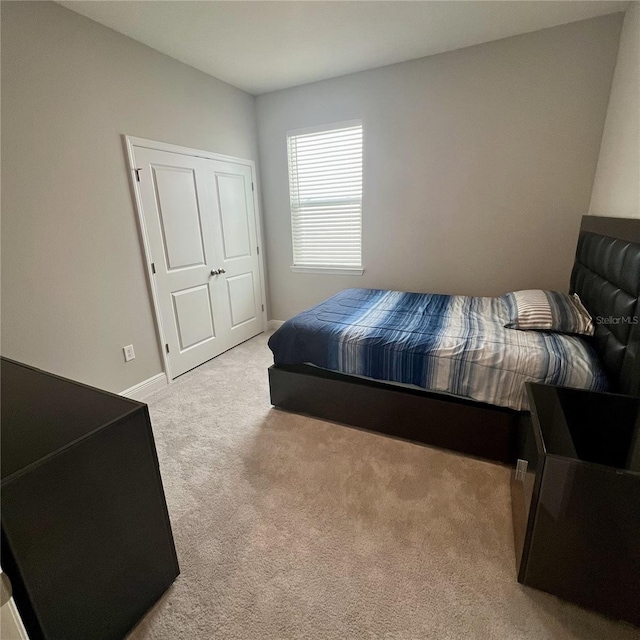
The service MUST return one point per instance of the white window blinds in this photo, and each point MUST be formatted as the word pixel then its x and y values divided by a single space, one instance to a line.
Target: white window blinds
pixel 325 185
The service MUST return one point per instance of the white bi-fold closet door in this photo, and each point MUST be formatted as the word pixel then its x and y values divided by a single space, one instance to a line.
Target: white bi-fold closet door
pixel 201 237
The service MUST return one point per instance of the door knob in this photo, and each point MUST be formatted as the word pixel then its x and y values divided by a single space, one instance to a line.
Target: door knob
pixel 221 271
pixel 217 272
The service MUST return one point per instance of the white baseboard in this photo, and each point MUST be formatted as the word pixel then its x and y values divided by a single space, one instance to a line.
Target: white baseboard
pixel 145 388
pixel 11 626
pixel 274 324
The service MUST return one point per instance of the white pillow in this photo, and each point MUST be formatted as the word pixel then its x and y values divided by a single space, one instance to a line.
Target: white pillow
pixel 538 310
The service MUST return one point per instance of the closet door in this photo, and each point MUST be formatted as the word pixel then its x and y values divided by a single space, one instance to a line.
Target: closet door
pixel 238 260
pixel 198 221
pixel 181 223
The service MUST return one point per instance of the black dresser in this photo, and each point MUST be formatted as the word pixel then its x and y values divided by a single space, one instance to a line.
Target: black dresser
pixel 576 498
pixel 86 538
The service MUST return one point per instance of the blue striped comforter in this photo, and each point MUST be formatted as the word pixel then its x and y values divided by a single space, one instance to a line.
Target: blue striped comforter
pixel 452 344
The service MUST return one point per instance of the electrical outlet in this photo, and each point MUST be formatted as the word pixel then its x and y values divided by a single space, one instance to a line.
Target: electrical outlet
pixel 129 353
pixel 521 469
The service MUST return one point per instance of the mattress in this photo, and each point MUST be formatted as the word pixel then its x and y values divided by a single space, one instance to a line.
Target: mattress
pixel 451 344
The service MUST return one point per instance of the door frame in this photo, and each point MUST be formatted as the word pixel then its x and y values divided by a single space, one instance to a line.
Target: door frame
pixel 130 142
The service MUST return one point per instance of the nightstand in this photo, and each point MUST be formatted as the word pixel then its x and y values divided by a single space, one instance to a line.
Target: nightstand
pixel 576 498
pixel 86 539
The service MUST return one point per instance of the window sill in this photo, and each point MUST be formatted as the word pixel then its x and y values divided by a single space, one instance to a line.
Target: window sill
pixel 332 271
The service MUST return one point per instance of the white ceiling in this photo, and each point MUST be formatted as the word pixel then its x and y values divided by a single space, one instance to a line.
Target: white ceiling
pixel 264 46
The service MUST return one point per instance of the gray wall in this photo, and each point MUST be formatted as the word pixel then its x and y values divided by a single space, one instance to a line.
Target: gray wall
pixel 74 289
pixel 478 164
pixel 616 189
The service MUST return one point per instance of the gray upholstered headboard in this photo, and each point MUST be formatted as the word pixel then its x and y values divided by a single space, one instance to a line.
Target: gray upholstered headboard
pixel 606 276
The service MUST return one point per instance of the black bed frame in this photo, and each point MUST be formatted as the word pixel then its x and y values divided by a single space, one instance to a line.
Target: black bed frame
pixel 606 276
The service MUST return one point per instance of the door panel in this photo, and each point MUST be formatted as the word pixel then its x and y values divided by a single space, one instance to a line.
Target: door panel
pixel 180 216
pixel 234 215
pixel 192 314
pixel 241 299
pixel 239 249
pixel 200 225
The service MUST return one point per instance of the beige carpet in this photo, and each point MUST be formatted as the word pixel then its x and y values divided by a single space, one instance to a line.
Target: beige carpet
pixel 288 527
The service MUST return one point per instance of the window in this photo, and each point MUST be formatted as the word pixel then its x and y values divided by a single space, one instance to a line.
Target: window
pixel 325 186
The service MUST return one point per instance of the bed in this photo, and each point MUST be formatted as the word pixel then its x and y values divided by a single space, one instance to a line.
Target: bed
pixel 449 344
pixel 344 359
